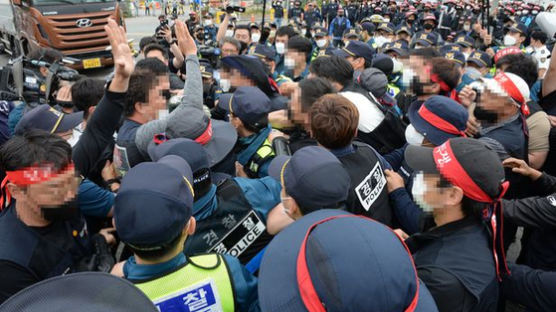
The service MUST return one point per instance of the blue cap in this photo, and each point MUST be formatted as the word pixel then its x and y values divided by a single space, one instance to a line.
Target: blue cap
pixel 400 47
pixel 426 39
pixel 321 32
pixel 369 27
pixel 449 47
pixel 389 27
pixel 353 262
pixel 44 117
pixel 206 68
pixel 352 33
pixel 154 203
pixel 356 49
pixel 192 152
pixel 465 41
pixel 263 51
pixel 520 28
pixel 250 104
pixel 404 28
pixel 383 62
pixel 441 107
pixel 455 56
pixel 313 176
pixel 480 58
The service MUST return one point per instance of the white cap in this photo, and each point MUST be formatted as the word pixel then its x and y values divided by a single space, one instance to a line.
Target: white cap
pixel 510 85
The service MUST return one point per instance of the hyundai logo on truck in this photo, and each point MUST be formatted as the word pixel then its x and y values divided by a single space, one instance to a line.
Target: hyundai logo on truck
pixel 83 22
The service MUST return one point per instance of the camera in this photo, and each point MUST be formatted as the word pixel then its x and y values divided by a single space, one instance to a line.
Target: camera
pixel 231 9
pixel 211 54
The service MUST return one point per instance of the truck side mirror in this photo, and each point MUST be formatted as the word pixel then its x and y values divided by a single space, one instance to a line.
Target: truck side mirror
pixel 16 2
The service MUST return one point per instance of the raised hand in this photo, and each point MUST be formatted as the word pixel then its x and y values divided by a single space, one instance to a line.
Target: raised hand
pixel 121 53
pixel 185 41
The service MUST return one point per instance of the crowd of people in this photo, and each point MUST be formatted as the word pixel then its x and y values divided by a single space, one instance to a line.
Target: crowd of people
pixel 358 156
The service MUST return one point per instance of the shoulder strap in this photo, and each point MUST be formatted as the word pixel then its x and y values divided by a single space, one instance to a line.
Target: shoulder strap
pixel 383 162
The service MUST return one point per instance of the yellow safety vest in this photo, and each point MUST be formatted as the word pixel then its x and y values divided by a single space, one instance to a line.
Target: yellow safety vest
pixel 203 283
pixel 264 152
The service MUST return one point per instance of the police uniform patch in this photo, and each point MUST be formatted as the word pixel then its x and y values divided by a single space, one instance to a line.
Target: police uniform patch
pixel 241 236
pixel 371 187
pixel 202 296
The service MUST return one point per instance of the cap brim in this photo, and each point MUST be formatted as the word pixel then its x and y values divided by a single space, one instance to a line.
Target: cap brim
pixel 275 167
pixel 476 62
pixel 423 43
pixel 419 158
pixel 224 138
pixel 341 53
pixel 70 121
pixel 278 102
pixel 224 101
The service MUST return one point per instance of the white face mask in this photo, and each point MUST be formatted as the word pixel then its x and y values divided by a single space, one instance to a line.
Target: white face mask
pixel 163 113
pixel 412 136
pixel 229 32
pixel 387 20
pixel 525 12
pixel 466 55
pixel 289 63
pixel 535 12
pixel 466 27
pixel 225 85
pixel 255 37
pixel 509 40
pixel 398 66
pixel 407 77
pixel 208 22
pixel 380 41
pixel 418 192
pixel 321 43
pixel 280 47
pixel 272 33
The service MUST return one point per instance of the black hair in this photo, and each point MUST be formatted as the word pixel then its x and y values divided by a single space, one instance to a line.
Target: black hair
pixel 522 65
pixel 85 93
pixel 140 83
pixel 153 64
pixel 312 89
pixel 334 68
pixel 286 31
pixel 539 36
pixel 145 41
pixel 158 47
pixel 428 52
pixel 153 253
pixel 34 147
pixel 300 44
pixel 246 27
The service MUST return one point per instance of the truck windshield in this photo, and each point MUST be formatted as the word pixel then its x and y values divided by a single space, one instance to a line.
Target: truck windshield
pixel 48 2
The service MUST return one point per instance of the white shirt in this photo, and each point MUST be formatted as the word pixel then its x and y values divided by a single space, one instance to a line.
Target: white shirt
pixel 370 116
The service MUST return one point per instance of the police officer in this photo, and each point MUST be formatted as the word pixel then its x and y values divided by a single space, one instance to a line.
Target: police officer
pixel 331 11
pixel 352 12
pixel 248 110
pixel 459 258
pixel 323 43
pixel 303 190
pixel 338 26
pixel 368 193
pixel 155 220
pixel 210 28
pixel 43 232
pixel 312 15
pixel 296 13
pixel 278 12
pixel 267 55
pixel 231 213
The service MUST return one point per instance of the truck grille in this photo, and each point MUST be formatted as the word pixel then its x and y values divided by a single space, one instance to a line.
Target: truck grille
pixel 73 38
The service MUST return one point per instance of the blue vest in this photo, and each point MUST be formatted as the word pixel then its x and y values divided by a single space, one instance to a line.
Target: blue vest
pixel 43 258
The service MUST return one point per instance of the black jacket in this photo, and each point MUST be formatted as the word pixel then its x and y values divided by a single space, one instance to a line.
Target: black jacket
pixel 90 153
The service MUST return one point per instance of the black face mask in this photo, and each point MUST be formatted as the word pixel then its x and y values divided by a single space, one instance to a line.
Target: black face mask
pixel 485 115
pixel 63 212
pixel 243 47
pixel 200 36
pixel 428 26
pixel 417 87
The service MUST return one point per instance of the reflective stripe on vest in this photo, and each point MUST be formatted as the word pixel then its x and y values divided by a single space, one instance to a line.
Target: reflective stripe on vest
pixel 204 283
pixel 263 153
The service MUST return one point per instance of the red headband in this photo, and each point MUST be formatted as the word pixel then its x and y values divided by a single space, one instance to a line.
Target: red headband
pixel 509 86
pixel 205 137
pixel 28 176
pixel 438 122
pixel 307 289
pixel 443 86
pixel 35 174
pixel 451 169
